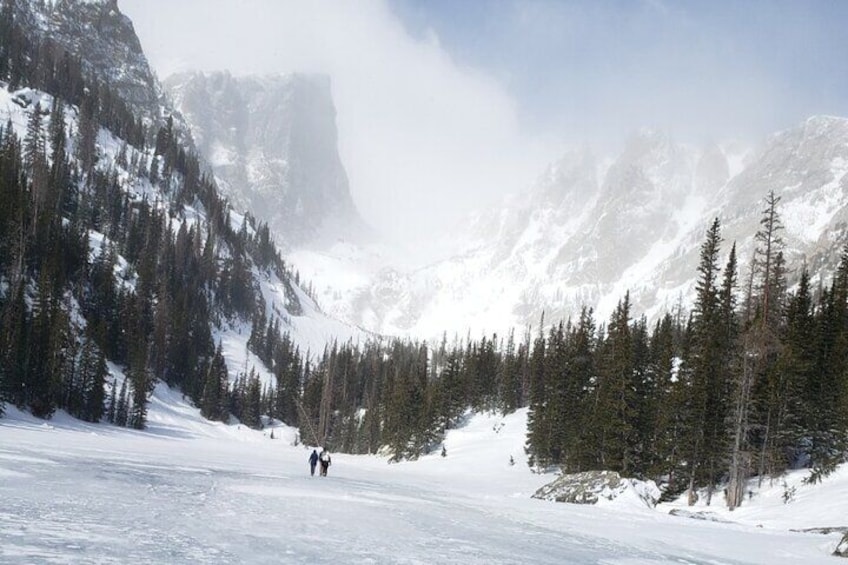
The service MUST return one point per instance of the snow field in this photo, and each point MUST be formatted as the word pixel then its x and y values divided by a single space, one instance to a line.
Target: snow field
pixel 191 491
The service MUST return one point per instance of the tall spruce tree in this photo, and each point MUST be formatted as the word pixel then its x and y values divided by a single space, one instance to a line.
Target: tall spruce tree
pixel 762 339
pixel 707 407
pixel 610 417
pixel 538 440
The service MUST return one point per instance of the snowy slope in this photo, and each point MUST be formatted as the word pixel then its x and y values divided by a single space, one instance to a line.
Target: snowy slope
pixel 192 491
pixel 310 330
pixel 300 316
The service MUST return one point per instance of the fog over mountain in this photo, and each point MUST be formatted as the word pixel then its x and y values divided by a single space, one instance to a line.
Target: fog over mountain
pixel 592 228
pixel 272 144
pixel 454 129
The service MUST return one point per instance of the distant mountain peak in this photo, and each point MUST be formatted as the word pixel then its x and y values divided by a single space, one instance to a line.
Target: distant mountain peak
pixel 272 143
pixel 595 227
pixel 104 39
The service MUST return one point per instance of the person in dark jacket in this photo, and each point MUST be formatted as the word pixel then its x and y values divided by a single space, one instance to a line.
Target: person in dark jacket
pixel 325 462
pixel 313 461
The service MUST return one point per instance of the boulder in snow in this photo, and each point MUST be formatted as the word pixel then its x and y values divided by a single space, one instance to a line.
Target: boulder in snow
pixel 842 548
pixel 700 515
pixel 591 486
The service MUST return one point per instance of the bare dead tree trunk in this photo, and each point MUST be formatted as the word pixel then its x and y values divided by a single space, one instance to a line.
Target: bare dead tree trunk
pixel 692 495
pixel 324 412
pixel 738 466
pixel 762 467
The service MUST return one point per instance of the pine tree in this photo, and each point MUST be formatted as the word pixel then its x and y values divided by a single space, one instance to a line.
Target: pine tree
pixel 251 416
pixel 796 367
pixel 122 411
pixel 667 427
pixel 538 444
pixel 826 393
pixel 213 402
pixel 87 130
pixel 706 409
pixel 93 373
pixel 610 422
pixel 558 435
pixel 646 397
pixel 762 339
pixel 110 413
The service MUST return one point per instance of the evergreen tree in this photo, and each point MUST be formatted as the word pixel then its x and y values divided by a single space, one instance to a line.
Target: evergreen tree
pixel 610 421
pixel 113 401
pixel 646 397
pixel 705 375
pixel 826 392
pixel 214 403
pixel 251 416
pixel 538 441
pixel 93 372
pixel 796 367
pixel 669 397
pixel 122 411
pixel 762 340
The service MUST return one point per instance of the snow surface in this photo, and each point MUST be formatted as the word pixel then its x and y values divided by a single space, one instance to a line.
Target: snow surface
pixel 191 491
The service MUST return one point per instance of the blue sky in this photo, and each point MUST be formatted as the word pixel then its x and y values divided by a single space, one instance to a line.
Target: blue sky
pixel 699 68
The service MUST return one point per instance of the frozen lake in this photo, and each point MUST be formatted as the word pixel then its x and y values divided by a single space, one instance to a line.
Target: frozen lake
pixel 194 492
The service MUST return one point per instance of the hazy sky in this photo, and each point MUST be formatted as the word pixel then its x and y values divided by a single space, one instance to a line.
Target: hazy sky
pixel 445 104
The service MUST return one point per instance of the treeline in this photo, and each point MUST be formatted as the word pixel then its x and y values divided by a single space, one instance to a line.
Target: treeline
pixel 737 389
pixel 388 394
pixel 753 382
pixel 90 269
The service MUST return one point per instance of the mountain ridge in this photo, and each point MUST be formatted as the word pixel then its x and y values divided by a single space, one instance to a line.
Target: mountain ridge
pixel 592 228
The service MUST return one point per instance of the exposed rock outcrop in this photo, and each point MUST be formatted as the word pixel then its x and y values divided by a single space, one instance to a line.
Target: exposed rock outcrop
pixel 591 486
pixel 272 144
pixel 104 39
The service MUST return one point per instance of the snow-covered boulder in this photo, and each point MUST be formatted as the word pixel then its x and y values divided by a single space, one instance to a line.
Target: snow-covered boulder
pixel 590 487
pixel 842 548
pixel 700 515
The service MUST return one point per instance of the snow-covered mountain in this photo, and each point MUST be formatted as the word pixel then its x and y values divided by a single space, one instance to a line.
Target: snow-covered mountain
pixel 273 146
pixel 595 227
pixel 97 35
pixel 591 228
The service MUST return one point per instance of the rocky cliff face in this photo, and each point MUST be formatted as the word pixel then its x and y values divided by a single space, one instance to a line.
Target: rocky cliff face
pixel 104 39
pixel 272 144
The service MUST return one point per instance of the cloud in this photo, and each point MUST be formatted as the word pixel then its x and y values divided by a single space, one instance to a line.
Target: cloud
pixel 423 138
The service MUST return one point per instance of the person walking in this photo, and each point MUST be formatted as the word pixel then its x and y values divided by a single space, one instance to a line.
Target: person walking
pixel 325 462
pixel 313 461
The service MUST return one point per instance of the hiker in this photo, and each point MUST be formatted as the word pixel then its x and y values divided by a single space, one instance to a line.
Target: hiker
pixel 325 462
pixel 313 460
